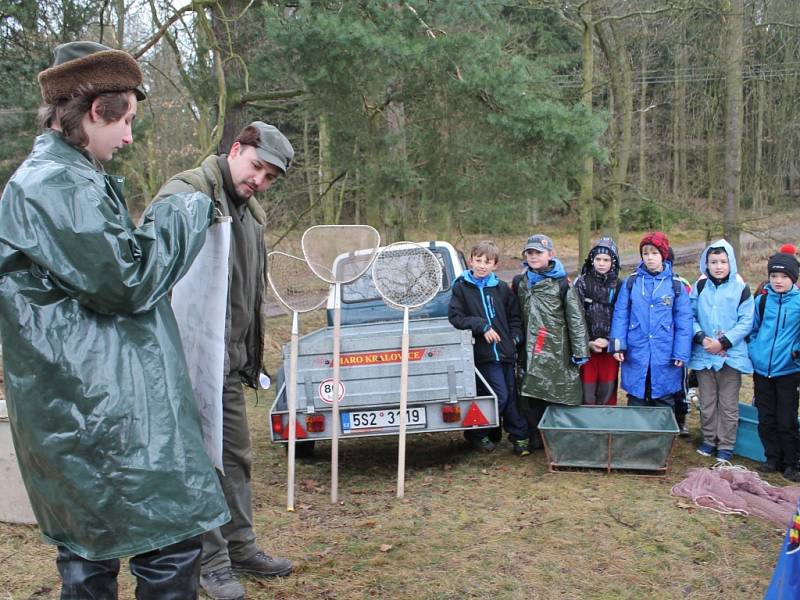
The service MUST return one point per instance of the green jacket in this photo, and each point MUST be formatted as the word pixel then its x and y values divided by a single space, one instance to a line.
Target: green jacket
pixel 102 413
pixel 555 331
pixel 207 178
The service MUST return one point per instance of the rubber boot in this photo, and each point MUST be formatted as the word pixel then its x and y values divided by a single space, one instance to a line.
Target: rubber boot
pixel 171 573
pixel 83 579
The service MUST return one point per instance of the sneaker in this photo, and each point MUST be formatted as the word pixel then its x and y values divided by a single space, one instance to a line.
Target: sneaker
pixel 768 467
pixel 221 584
pixel 683 430
pixel 705 449
pixel 522 448
pixel 792 474
pixel 726 455
pixel 263 565
pixel 484 444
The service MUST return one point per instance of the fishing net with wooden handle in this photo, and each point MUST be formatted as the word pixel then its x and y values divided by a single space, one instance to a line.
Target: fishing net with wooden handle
pixel 407 276
pixel 339 254
pixel 293 282
pixel 300 290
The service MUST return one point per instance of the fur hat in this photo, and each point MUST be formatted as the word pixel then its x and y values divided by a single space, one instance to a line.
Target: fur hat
pixel 78 64
pixel 784 263
pixel 657 239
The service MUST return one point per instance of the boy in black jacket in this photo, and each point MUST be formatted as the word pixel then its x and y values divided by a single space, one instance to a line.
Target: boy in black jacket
pixel 485 305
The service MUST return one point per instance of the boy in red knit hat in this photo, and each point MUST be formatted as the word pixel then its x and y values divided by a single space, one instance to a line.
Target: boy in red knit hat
pixel 651 332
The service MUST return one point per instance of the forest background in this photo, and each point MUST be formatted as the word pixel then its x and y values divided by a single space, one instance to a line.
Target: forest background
pixel 452 118
pixel 458 119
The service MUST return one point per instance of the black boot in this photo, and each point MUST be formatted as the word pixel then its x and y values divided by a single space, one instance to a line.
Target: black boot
pixel 83 579
pixel 171 573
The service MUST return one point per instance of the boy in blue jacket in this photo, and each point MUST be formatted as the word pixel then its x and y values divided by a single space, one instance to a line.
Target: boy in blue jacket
pixel 483 304
pixel 651 331
pixel 723 317
pixel 774 346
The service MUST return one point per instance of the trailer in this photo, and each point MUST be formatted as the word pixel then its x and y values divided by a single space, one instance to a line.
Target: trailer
pixel 442 378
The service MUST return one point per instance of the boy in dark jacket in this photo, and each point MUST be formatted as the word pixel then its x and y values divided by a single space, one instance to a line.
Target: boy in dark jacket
pixel 774 346
pixel 483 304
pixel 597 288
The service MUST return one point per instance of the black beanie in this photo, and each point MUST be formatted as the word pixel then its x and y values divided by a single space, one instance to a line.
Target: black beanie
pixel 784 263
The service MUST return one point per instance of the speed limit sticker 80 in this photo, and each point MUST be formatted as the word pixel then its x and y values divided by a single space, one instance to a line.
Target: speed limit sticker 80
pixel 326 391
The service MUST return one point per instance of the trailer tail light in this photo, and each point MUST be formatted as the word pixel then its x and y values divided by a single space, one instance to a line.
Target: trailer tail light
pixel 315 423
pixel 277 426
pixel 451 413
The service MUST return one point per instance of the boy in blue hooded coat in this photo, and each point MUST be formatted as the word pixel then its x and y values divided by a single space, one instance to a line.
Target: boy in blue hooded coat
pixel 722 308
pixel 651 332
pixel 483 304
pixel 774 345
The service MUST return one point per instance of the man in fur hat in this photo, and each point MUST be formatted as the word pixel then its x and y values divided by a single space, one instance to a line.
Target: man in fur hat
pixel 112 459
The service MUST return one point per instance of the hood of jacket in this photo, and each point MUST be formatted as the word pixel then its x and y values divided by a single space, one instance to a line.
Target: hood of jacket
pixel 490 280
pixel 723 308
pixel 722 243
pixel 555 270
pixel 604 243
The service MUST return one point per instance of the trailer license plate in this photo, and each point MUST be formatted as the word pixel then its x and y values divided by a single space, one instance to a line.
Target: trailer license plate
pixel 380 420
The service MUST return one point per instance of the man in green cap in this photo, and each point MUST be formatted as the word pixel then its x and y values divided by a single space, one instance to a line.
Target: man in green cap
pixel 101 408
pixel 257 157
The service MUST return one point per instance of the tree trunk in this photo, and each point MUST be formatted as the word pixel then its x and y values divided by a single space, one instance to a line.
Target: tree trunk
pixel 325 175
pixel 587 176
pixel 733 14
pixel 679 142
pixel 643 124
pixel 758 169
pixel 395 209
pixel 234 37
pixel 119 30
pixel 620 78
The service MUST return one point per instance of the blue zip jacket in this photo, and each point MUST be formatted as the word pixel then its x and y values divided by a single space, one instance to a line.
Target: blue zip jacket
pixel 653 327
pixel 722 310
pixel 775 339
pixel 480 304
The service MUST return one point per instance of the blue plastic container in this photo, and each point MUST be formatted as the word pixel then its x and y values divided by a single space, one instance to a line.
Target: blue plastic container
pixel 748 444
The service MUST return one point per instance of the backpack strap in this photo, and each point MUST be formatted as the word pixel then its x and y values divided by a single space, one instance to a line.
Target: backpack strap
pixel 563 288
pixel 630 281
pixel 700 285
pixel 515 282
pixel 677 285
pixel 762 302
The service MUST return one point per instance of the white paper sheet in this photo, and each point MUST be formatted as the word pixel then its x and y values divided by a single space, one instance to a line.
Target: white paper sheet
pixel 199 301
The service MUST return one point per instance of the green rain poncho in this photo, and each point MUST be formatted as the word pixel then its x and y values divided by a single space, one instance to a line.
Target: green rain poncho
pixel 101 409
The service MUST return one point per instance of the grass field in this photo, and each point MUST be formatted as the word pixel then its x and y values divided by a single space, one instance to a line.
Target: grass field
pixel 471 525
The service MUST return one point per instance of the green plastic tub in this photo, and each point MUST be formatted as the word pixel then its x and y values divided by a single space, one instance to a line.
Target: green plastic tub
pixel 633 438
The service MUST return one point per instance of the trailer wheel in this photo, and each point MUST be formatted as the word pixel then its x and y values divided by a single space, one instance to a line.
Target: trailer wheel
pixel 496 435
pixel 303 449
